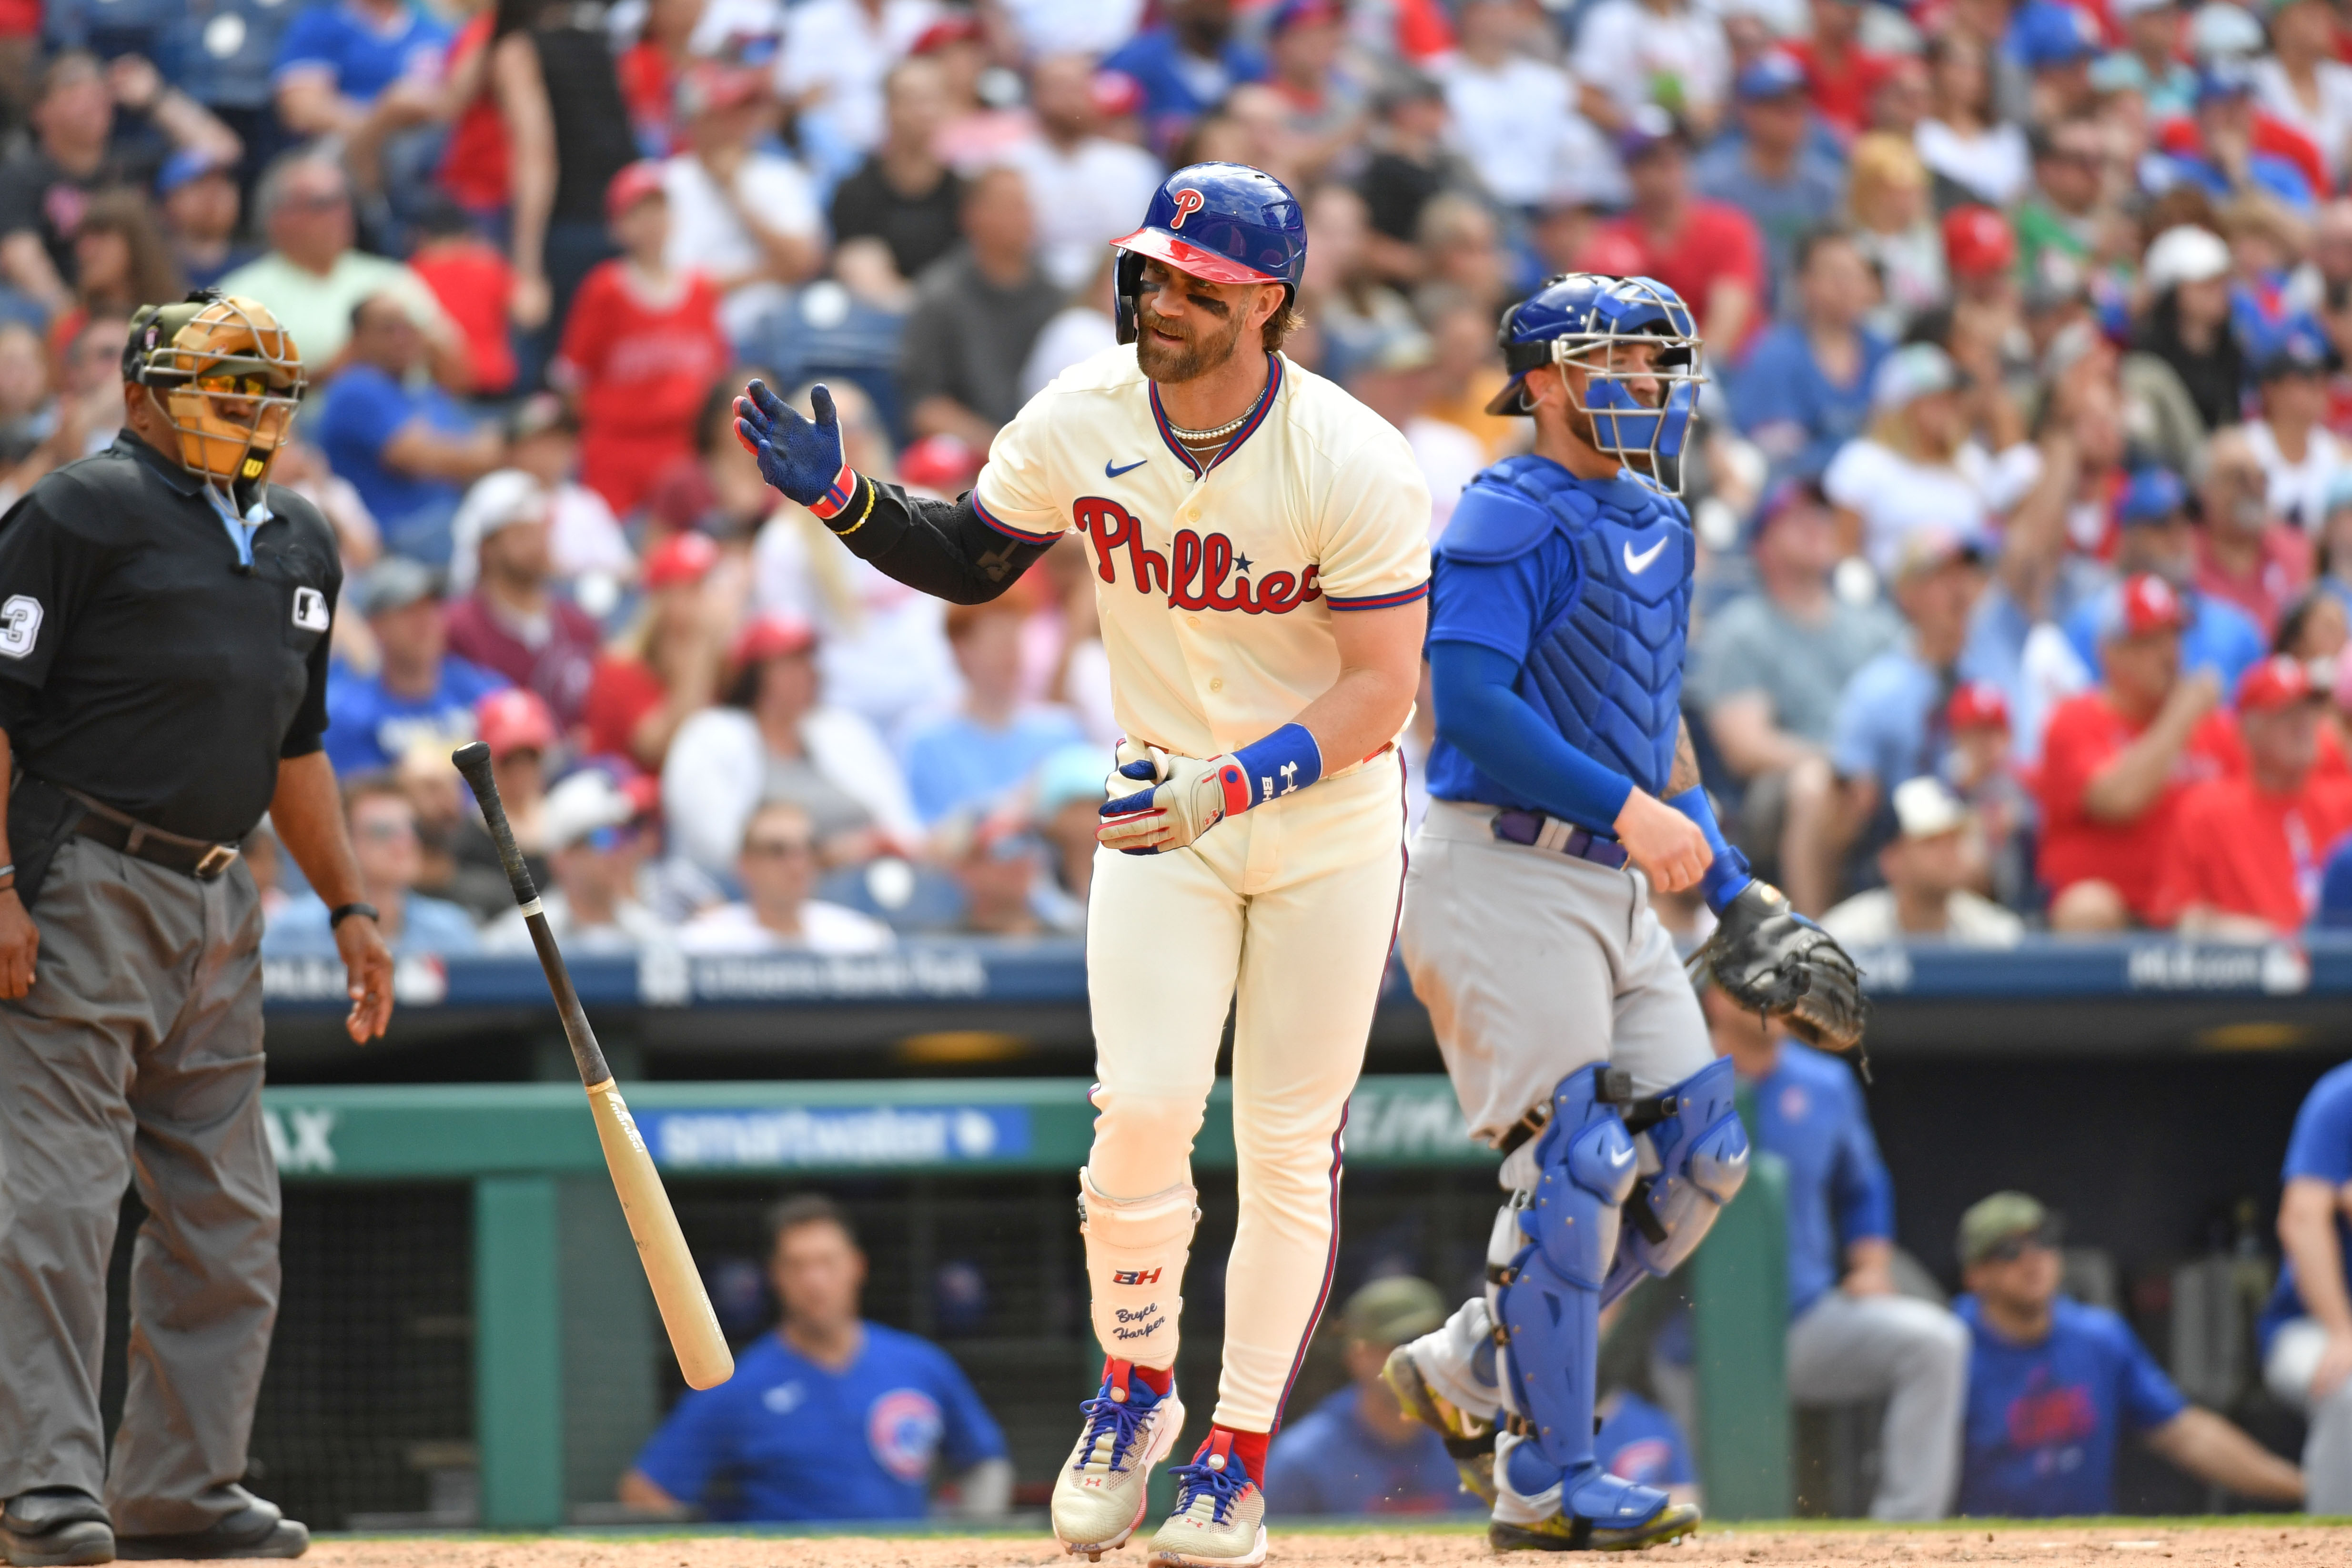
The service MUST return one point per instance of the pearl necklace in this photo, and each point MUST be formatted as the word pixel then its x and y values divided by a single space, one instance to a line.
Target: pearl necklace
pixel 1191 437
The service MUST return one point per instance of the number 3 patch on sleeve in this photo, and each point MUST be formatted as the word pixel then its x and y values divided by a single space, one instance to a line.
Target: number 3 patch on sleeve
pixel 309 609
pixel 20 624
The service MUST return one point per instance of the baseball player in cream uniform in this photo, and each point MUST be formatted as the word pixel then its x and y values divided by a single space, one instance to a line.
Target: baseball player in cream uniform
pixel 1259 544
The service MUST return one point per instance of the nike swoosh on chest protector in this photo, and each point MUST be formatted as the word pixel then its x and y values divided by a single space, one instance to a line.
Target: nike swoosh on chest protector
pixel 1637 564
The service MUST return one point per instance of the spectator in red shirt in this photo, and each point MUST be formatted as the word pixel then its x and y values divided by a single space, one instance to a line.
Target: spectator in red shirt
pixel 1839 74
pixel 641 350
pixel 476 285
pixel 665 667
pixel 2246 852
pixel 649 70
pixel 2116 760
pixel 513 622
pixel 1708 252
pixel 2244 555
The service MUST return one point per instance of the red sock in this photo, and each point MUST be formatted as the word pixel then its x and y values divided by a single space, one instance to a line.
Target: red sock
pixel 1159 1378
pixel 1249 1447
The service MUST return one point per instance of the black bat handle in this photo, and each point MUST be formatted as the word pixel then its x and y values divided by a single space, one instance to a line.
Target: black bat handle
pixel 473 761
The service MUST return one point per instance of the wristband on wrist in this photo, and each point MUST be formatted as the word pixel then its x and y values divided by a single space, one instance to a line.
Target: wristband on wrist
pixel 342 912
pixel 837 497
pixel 1727 875
pixel 1283 763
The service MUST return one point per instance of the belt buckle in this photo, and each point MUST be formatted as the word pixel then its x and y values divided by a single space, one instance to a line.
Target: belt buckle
pixel 215 860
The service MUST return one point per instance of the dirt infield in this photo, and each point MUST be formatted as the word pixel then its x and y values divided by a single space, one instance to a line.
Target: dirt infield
pixel 2235 1545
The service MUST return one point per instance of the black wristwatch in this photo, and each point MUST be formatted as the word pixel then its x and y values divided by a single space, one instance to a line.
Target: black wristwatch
pixel 342 912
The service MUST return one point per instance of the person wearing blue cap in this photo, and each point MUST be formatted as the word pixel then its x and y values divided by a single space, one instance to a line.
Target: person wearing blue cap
pixel 197 197
pixel 1770 170
pixel 2226 163
pixel 2300 456
pixel 2157 539
pixel 2055 43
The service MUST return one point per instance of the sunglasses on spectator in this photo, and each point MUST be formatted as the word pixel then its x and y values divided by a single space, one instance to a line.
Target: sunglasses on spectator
pixel 384 832
pixel 2009 1248
pixel 607 839
pixel 778 848
pixel 320 203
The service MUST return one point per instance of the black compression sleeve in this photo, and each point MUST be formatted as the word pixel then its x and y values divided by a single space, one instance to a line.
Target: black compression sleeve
pixel 940 548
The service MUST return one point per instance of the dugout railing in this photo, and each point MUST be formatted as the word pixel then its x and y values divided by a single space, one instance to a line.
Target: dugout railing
pixel 556 1333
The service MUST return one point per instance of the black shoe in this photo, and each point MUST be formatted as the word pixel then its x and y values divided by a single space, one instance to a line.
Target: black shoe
pixel 56 1524
pixel 256 1530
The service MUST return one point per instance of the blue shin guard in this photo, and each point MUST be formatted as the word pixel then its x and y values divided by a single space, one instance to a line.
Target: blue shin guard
pixel 1547 1304
pixel 1701 1152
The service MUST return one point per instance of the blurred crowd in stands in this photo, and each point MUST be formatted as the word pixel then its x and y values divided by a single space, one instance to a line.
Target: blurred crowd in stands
pixel 2024 491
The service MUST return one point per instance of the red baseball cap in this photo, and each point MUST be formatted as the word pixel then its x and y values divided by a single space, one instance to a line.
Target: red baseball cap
pixel 2147 604
pixel 1116 94
pixel 956 27
pixel 514 721
pixel 634 184
pixel 684 557
pixel 1977 703
pixel 1978 241
pixel 942 463
pixel 770 636
pixel 2279 681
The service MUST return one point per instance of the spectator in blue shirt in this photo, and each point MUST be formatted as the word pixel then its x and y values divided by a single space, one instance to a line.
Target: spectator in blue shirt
pixel 1890 718
pixel 1357 1453
pixel 1771 171
pixel 2052 1383
pixel 1185 65
pixel 994 739
pixel 350 67
pixel 420 691
pixel 391 858
pixel 1803 391
pixel 2336 889
pixel 830 1417
pixel 1852 1336
pixel 405 444
pixel 1639 1442
pixel 2155 535
pixel 2305 1333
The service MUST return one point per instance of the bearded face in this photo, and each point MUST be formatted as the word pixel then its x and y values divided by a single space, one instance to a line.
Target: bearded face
pixel 1196 348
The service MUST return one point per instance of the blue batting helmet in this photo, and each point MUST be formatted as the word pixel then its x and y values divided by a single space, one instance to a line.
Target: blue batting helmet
pixel 1224 223
pixel 1582 319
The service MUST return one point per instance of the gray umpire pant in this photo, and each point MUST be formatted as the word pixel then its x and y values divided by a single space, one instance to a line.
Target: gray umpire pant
pixel 137 1054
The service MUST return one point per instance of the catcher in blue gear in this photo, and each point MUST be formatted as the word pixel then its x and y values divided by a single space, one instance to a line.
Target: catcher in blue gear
pixel 1563 790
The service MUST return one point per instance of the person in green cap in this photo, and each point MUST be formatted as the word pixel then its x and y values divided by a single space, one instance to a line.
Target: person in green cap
pixel 2052 1383
pixel 1359 1453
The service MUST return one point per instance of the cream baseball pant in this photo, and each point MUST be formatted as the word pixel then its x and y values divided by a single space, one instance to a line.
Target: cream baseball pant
pixel 2294 1355
pixel 1285 913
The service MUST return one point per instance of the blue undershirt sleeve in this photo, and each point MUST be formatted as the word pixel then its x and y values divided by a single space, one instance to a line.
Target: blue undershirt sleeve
pixel 1479 713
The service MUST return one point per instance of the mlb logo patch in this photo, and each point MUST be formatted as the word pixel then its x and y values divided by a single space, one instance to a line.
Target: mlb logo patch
pixel 311 609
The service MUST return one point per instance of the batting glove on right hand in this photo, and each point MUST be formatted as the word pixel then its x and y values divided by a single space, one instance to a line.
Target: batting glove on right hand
pixel 796 455
pixel 1185 797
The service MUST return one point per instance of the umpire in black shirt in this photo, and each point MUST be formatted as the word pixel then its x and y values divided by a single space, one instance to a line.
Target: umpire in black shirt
pixel 164 621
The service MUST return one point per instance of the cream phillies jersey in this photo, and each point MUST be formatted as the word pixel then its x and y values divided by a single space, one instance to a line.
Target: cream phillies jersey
pixel 1216 584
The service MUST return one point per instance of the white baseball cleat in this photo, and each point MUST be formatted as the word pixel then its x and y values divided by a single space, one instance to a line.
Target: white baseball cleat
pixel 1220 1518
pixel 1101 1495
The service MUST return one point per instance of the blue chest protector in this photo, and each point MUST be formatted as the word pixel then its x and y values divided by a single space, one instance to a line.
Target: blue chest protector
pixel 1606 664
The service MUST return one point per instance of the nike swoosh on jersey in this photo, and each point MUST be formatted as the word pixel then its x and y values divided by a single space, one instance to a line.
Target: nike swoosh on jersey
pixel 1637 564
pixel 1111 473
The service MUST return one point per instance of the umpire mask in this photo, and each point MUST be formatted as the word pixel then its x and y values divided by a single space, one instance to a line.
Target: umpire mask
pixel 228 377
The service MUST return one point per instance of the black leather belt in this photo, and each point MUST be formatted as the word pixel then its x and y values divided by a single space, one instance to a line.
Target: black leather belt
pixel 1537 831
pixel 196 858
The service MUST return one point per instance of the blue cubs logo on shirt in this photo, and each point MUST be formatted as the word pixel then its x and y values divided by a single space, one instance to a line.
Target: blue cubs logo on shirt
pixel 1645 1460
pixel 2050 1415
pixel 903 1429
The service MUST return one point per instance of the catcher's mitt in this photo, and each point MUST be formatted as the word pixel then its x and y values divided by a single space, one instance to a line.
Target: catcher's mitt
pixel 1773 961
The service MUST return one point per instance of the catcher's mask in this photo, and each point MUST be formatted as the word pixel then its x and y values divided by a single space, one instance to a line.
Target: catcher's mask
pixel 227 376
pixel 1639 404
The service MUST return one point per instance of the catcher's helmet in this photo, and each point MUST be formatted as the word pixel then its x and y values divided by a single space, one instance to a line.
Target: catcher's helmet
pixel 1582 319
pixel 206 353
pixel 1224 223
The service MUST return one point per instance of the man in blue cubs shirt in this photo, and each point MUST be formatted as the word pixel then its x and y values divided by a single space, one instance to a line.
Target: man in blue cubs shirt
pixel 830 1417
pixel 2052 1383
pixel 1640 1443
pixel 1359 1453
pixel 1852 1335
pixel 420 691
pixel 2306 1330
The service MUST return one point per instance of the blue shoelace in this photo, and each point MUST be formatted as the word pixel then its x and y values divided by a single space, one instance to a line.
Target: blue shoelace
pixel 1123 1419
pixel 1224 1487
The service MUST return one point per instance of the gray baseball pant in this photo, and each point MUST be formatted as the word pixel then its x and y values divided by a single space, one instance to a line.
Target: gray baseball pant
pixel 2294 1355
pixel 136 1055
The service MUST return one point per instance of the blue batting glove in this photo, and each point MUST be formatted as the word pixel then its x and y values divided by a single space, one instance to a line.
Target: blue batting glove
pixel 797 457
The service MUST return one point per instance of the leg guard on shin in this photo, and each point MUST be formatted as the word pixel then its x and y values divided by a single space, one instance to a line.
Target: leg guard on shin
pixel 1702 1152
pixel 1136 1253
pixel 1546 1308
